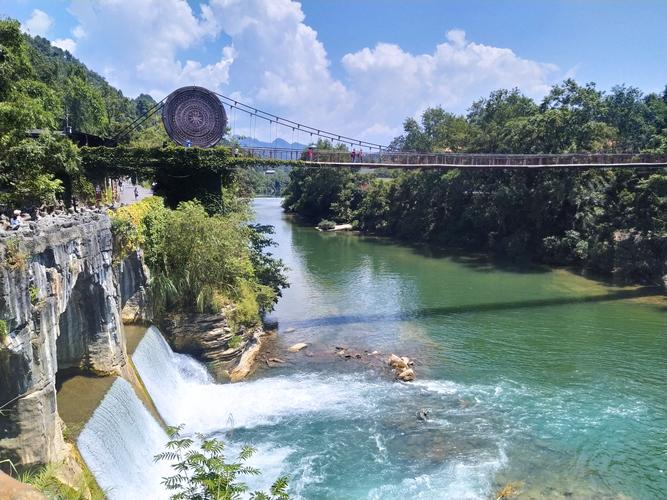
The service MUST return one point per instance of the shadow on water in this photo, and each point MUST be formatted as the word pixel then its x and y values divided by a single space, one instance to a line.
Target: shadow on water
pixel 434 312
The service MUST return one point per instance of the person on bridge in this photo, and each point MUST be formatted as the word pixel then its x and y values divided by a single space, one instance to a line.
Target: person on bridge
pixel 353 154
pixel 136 192
pixel 310 154
pixel 360 155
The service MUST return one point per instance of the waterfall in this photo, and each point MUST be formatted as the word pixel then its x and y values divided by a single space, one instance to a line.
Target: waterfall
pixel 185 393
pixel 118 444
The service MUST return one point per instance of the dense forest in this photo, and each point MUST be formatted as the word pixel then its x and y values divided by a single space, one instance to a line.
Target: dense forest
pixel 609 221
pixel 44 90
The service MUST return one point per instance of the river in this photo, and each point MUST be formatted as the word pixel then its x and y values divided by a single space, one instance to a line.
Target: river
pixel 530 374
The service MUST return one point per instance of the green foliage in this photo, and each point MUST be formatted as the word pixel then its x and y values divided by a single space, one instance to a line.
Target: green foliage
pixel 47 481
pixel 235 341
pixel 15 257
pixel 199 261
pixel 257 180
pixel 326 225
pixel 609 221
pixel 203 473
pixel 326 193
pixel 85 106
pixel 270 271
pixel 4 331
pixel 34 294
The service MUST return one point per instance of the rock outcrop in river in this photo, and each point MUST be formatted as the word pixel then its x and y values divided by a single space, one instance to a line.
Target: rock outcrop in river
pixel 60 303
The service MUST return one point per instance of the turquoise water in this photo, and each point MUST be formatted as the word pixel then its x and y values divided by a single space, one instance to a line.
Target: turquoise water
pixel 530 374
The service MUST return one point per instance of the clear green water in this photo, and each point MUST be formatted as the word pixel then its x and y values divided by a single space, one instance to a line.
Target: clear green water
pixel 531 375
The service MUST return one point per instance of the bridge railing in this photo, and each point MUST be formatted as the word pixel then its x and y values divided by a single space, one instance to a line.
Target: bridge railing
pixel 391 158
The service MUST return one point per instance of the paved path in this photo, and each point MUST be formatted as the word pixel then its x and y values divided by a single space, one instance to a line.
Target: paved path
pixel 127 194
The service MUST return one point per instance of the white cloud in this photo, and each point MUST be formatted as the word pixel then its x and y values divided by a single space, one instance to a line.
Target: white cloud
pixel 395 84
pixel 276 62
pixel 136 44
pixel 39 23
pixel 66 44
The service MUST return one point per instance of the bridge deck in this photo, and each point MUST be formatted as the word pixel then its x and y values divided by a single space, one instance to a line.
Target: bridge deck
pixel 444 166
pixel 445 161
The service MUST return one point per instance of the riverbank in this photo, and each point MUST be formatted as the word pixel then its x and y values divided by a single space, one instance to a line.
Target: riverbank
pixel 606 222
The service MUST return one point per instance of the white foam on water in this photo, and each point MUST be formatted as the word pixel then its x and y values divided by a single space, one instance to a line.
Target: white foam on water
pixel 118 444
pixel 184 392
pixel 459 480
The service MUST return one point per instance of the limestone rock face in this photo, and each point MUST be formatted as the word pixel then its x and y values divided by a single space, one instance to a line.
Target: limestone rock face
pixel 208 337
pixel 60 300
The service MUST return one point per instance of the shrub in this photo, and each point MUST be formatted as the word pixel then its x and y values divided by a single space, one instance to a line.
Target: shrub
pixel 205 474
pixel 234 342
pixel 326 225
pixel 15 257
pixel 201 262
pixel 34 294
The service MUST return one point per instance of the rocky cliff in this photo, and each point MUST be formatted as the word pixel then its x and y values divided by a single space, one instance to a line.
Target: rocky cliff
pixel 60 303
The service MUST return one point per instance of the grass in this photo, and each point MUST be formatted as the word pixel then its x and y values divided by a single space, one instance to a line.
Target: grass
pixel 15 257
pixel 46 480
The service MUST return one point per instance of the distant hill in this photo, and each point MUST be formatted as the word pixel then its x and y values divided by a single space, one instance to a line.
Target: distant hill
pixel 277 143
pixel 91 103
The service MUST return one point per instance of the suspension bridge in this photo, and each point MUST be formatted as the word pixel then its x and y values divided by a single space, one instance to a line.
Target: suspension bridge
pixel 194 116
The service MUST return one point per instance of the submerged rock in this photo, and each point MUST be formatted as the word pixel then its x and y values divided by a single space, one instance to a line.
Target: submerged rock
pixel 298 347
pixel 423 414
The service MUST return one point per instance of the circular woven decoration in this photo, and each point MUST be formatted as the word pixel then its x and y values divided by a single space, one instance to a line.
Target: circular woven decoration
pixel 194 116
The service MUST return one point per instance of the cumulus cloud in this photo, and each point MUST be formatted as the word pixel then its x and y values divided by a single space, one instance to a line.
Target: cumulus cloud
pixel 66 44
pixel 136 44
pixel 272 59
pixel 39 23
pixel 395 83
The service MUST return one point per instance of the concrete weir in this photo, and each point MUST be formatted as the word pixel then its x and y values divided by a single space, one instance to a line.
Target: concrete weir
pixel 61 296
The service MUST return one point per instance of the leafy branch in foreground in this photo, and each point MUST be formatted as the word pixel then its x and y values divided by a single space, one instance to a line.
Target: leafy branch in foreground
pixel 204 474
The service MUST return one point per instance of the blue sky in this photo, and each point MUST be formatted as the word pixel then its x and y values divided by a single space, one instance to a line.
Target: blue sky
pixel 357 66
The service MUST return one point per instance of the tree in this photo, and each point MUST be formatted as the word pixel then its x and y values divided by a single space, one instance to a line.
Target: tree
pixel 14 61
pixel 85 106
pixel 205 473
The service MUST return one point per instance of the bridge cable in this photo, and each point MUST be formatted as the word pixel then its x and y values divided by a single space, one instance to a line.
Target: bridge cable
pixel 286 123
pixel 134 123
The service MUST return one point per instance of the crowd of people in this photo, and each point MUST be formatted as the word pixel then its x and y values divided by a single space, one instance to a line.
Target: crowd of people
pixel 19 218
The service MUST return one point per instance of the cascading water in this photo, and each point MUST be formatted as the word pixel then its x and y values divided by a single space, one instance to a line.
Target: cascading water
pixel 302 421
pixel 118 444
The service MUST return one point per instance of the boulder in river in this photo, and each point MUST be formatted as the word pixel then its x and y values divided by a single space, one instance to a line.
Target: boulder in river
pixel 407 375
pixel 401 367
pixel 298 347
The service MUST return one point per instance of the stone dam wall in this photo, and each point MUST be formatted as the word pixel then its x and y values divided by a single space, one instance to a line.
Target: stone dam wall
pixel 61 296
